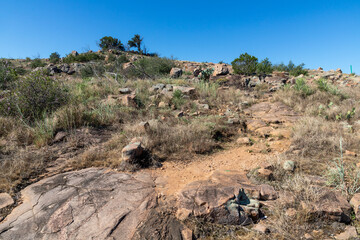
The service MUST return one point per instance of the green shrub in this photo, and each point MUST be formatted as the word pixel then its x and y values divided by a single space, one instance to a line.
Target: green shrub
pixel 301 87
pixel 206 74
pixel 33 97
pixel 178 99
pixel 54 57
pixel 37 63
pixel 111 43
pixel 83 57
pixel 151 67
pixel 245 64
pixel 291 68
pixel 264 67
pixel 7 74
pixel 324 86
pixel 92 70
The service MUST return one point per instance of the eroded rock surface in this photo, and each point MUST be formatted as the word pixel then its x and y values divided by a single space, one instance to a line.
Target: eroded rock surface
pixel 86 204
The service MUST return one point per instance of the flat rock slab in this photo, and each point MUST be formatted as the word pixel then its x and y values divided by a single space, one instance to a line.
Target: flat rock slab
pixel 272 112
pixel 5 200
pixel 87 204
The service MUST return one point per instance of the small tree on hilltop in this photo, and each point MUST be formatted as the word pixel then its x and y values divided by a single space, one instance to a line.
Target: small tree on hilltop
pixel 264 67
pixel 245 64
pixel 136 42
pixel 54 57
pixel 111 43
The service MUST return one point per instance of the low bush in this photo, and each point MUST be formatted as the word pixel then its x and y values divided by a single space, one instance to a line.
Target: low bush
pixel 302 88
pixel 54 57
pixel 245 64
pixel 37 63
pixel 83 57
pixel 291 68
pixel 7 74
pixel 34 96
pixel 152 67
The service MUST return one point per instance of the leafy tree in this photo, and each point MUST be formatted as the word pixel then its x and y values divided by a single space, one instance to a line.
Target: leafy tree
pixel 264 67
pixel 54 57
pixel 136 42
pixel 111 43
pixel 245 64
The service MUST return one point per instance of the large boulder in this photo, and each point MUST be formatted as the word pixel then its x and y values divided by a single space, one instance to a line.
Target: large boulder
pixel 220 69
pixel 5 200
pixel 176 72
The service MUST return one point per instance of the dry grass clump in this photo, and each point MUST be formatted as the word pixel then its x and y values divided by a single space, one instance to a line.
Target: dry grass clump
pixel 199 136
pixel 298 189
pixel 19 168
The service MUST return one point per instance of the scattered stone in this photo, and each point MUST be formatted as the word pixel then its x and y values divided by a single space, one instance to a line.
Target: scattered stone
pixel 349 233
pixel 355 203
pixel 128 66
pixel 125 90
pixel 289 165
pixel 267 192
pixel 74 53
pixel 265 173
pixel 291 212
pixel 189 91
pixel 179 114
pixel 5 201
pixel 129 100
pixel 176 72
pixel 60 136
pixel 243 140
pixel 350 154
pixel 307 236
pixel 162 105
pixel 144 127
pixel 262 228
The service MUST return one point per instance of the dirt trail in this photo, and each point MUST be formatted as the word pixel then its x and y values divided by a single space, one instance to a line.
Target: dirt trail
pixel 269 125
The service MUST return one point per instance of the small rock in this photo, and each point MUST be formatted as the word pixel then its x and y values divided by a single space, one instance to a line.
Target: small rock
pixel 349 233
pixel 350 154
pixel 290 212
pixel 265 173
pixel 320 69
pixel 125 90
pixel 176 72
pixel 74 53
pixel 262 228
pixel 5 200
pixel 289 165
pixel 355 203
pixel 179 114
pixel 132 151
pixel 129 100
pixel 128 66
pixel 339 70
pixel 60 136
pixel 243 140
pixel 307 236
pixel 144 127
pixel 162 105
pixel 267 192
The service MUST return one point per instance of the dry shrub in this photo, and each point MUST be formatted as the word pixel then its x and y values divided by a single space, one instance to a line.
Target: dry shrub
pixel 181 137
pixel 300 189
pixel 16 170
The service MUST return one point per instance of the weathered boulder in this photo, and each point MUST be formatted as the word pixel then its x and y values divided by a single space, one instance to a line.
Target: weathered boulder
pixel 349 233
pixel 220 69
pixel 87 204
pixel 176 72
pixel 74 53
pixel 124 90
pixel 189 91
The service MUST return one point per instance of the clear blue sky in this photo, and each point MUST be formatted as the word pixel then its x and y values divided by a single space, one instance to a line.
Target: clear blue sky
pixel 319 33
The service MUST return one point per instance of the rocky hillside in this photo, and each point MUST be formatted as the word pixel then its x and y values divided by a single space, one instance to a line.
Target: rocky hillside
pixel 117 145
